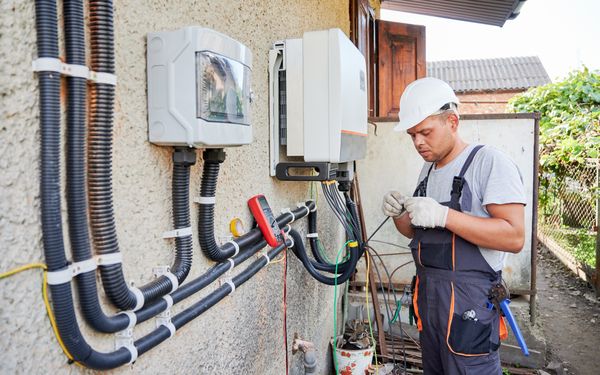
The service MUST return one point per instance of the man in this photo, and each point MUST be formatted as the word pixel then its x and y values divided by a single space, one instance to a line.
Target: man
pixel 465 215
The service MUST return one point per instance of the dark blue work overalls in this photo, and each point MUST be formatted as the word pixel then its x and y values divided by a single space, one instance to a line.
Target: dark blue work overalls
pixel 458 333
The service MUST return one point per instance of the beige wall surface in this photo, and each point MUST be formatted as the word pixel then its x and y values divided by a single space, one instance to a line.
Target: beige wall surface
pixel 243 333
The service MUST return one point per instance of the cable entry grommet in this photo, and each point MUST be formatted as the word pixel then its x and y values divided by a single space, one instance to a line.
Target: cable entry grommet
pixel 179 232
pixel 205 200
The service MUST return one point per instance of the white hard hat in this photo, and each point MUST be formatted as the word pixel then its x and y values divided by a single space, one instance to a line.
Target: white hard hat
pixel 421 99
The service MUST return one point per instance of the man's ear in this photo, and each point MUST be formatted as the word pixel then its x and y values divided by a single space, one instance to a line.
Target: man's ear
pixel 452 120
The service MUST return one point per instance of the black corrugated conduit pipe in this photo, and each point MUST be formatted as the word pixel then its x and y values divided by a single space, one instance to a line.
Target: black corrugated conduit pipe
pixel 319 262
pixel 76 194
pixel 162 333
pixel 52 239
pixel 90 304
pixel 206 213
pixel 301 254
pixel 100 179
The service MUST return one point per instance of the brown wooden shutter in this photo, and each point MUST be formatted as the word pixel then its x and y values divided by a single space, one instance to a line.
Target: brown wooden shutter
pixel 362 34
pixel 401 60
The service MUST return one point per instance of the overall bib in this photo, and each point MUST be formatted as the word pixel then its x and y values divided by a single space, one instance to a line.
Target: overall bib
pixel 458 334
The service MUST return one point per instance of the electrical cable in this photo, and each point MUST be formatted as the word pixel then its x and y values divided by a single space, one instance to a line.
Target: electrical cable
pixel 285 335
pixel 46 301
pixel 369 314
pixel 335 364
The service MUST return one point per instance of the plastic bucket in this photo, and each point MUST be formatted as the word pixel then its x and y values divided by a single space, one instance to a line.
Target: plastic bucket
pixel 353 362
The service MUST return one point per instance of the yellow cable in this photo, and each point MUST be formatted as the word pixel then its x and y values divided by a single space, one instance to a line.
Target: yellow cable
pixel 276 261
pixel 46 300
pixel 369 312
pixel 22 268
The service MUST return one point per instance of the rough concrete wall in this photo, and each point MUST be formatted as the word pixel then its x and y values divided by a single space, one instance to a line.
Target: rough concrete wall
pixel 243 333
pixel 485 102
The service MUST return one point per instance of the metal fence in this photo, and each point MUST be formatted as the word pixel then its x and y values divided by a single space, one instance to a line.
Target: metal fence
pixel 568 213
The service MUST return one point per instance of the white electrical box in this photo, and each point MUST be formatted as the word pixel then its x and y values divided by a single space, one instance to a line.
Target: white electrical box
pixel 319 99
pixel 198 89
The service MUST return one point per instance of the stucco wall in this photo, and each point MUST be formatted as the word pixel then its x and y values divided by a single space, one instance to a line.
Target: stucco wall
pixel 242 334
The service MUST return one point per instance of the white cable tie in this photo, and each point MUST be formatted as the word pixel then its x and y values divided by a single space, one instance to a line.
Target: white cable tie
pixel 171 328
pixel 46 64
pixel 237 247
pixel 169 300
pixel 287 229
pixel 180 232
pixel 231 264
pixel 287 210
pixel 230 283
pixel 303 204
pixel 292 242
pixel 108 259
pixel 205 200
pixel 102 77
pixel 132 350
pixel 132 318
pixel 139 298
pixel 312 235
pixel 83 266
pixel 173 279
pixel 266 255
pixel 59 277
pixel 72 70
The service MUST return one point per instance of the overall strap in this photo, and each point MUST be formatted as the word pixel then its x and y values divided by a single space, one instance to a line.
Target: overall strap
pixel 459 181
pixel 421 190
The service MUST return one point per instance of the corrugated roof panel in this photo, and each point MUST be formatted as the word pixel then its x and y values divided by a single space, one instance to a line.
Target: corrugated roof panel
pixel 491 12
pixel 499 74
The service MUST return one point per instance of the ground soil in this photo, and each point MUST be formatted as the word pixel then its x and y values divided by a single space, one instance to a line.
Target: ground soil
pixel 569 316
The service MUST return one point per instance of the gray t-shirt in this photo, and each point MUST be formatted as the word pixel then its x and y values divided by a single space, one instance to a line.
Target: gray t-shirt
pixel 492 178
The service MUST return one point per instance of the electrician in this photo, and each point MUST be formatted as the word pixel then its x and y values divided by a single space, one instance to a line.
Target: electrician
pixel 466 214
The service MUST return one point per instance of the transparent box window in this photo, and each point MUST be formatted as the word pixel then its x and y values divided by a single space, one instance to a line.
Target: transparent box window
pixel 222 89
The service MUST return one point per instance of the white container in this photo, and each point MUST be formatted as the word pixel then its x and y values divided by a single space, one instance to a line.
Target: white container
pixel 351 362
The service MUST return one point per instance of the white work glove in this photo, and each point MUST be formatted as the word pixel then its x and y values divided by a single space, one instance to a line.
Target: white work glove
pixel 425 212
pixel 393 203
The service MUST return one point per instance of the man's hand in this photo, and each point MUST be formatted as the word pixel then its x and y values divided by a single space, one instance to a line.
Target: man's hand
pixel 393 203
pixel 426 212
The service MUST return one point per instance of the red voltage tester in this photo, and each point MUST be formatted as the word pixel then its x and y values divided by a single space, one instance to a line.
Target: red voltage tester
pixel 266 220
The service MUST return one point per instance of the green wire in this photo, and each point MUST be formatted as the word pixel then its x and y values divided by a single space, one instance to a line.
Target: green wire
pixel 335 364
pixel 398 307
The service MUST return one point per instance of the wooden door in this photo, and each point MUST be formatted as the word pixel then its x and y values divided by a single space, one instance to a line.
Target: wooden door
pixel 401 60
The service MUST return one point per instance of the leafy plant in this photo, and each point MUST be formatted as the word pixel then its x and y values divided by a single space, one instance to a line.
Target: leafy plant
pixel 569 122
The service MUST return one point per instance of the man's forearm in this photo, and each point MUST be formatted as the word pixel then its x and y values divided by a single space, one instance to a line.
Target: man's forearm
pixel 492 233
pixel 403 225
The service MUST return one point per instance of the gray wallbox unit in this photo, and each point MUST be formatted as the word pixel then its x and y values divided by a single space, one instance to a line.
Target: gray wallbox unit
pixel 198 89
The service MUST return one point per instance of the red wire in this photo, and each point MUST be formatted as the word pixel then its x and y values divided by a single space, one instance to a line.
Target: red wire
pixel 285 309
